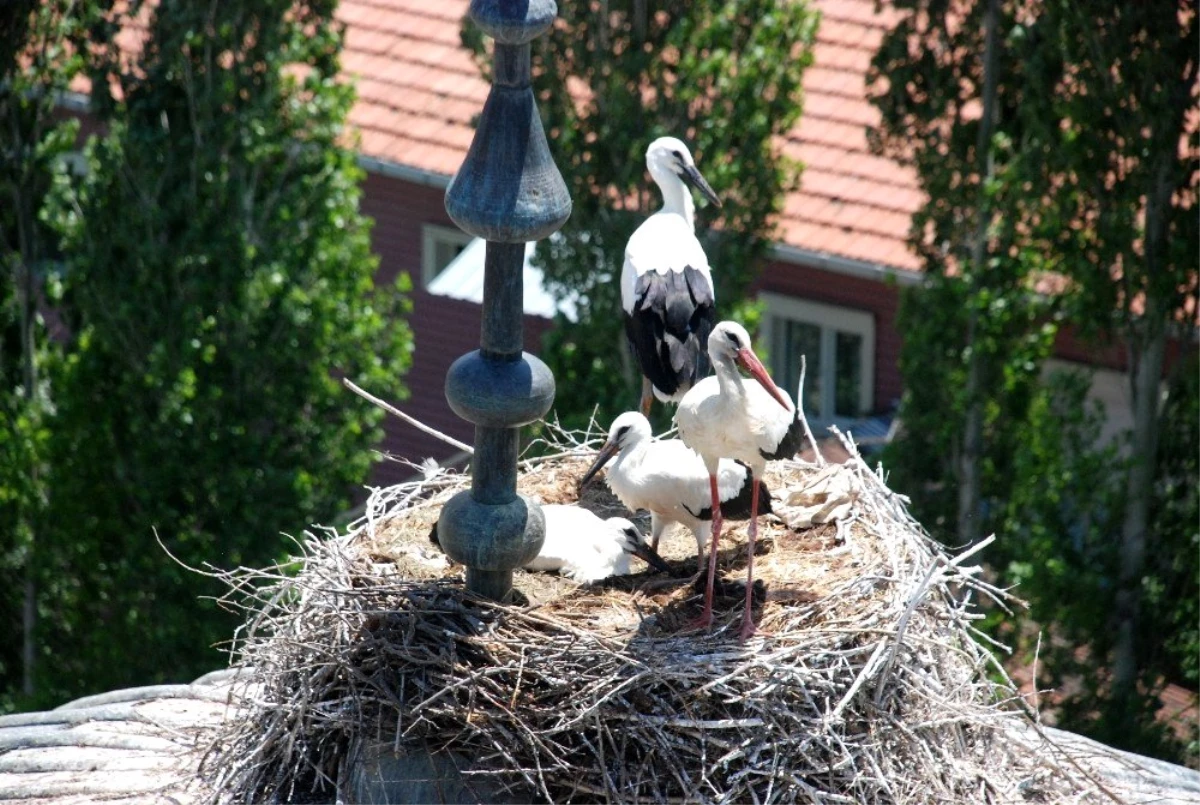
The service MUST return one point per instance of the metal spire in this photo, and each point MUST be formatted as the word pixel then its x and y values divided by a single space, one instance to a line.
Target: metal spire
pixel 508 191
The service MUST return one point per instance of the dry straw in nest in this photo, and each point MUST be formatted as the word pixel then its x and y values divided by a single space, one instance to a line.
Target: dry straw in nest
pixel 870 685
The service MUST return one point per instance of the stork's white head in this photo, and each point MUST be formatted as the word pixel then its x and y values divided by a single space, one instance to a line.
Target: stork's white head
pixel 668 157
pixel 729 346
pixel 727 342
pixel 633 542
pixel 627 430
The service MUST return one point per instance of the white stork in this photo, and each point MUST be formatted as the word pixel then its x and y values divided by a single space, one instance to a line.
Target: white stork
pixel 726 417
pixel 666 284
pixel 584 547
pixel 670 480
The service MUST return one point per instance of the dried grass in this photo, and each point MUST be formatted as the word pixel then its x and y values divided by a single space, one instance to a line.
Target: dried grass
pixel 871 686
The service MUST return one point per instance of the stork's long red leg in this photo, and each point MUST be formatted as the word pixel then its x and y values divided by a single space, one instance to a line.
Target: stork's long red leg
pixel 647 397
pixel 706 616
pixel 748 627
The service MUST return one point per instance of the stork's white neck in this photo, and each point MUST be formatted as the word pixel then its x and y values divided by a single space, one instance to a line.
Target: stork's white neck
pixel 628 463
pixel 628 473
pixel 730 380
pixel 677 198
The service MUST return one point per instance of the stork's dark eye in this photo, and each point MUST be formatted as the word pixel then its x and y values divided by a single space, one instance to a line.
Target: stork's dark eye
pixel 678 155
pixel 733 339
pixel 621 431
pixel 633 535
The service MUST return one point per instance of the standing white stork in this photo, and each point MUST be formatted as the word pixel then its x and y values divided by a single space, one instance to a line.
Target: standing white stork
pixel 666 283
pixel 584 547
pixel 670 480
pixel 726 417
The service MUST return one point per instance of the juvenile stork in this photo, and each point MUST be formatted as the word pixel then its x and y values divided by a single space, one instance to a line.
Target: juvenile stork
pixel 666 283
pixel 583 547
pixel 670 480
pixel 726 417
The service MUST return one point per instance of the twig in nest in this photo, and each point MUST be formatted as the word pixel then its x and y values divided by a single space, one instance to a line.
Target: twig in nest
pixel 803 417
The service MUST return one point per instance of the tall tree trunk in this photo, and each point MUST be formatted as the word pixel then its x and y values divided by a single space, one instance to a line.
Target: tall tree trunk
pixel 1148 343
pixel 972 442
pixel 29 253
pixel 969 482
pixel 29 510
pixel 1146 379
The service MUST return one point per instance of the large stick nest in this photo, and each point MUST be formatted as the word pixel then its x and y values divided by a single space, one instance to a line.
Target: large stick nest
pixel 870 685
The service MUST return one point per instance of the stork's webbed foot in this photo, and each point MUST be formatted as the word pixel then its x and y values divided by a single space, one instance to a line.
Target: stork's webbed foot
pixel 701 623
pixel 749 629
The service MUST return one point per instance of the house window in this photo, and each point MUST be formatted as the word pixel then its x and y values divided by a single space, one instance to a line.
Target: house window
pixel 74 162
pixel 838 345
pixel 439 246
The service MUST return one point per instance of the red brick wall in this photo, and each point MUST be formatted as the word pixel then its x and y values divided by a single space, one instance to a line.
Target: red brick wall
pixel 1113 353
pixel 1070 347
pixel 878 298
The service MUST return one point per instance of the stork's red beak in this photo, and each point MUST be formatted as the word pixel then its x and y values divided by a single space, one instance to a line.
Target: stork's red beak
pixel 750 362
pixel 609 450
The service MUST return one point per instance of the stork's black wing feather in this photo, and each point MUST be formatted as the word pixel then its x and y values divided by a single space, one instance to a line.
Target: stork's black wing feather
pixel 668 330
pixel 737 506
pixel 790 444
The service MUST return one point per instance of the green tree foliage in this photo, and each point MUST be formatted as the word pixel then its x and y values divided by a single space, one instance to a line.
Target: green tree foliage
pixel 1064 524
pixel 974 332
pixel 723 76
pixel 1061 552
pixel 1088 179
pixel 219 284
pixel 38 59
pixel 1173 581
pixel 1114 159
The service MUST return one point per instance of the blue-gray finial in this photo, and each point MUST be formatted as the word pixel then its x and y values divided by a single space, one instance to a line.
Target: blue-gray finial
pixel 513 22
pixel 508 189
pixel 509 192
pixel 499 393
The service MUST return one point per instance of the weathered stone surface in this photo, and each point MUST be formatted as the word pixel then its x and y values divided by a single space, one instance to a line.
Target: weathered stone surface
pixel 491 536
pixel 499 393
pixel 1129 777
pixel 141 745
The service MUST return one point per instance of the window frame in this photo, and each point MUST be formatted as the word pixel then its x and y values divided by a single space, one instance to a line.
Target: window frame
pixel 431 236
pixel 831 319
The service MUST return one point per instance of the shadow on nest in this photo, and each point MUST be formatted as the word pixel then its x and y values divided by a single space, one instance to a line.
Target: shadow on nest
pixel 870 685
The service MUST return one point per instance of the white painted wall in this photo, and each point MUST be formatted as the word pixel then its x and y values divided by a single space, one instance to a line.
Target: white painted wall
pixel 1109 387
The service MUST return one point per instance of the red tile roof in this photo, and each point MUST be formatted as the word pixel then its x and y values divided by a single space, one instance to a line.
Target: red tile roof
pixel 419 90
pixel 850 202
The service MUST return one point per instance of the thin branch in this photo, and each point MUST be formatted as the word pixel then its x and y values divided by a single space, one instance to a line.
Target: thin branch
pixel 416 423
pixel 804 417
